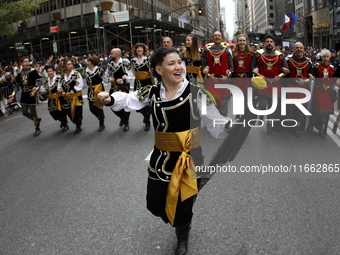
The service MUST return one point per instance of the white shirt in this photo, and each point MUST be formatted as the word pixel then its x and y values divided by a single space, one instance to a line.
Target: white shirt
pixel 130 102
pixel 77 87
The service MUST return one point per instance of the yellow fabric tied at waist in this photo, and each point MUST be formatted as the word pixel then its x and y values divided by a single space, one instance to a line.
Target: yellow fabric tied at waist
pixel 195 69
pixel 75 101
pixel 55 96
pixel 183 180
pixel 97 89
pixel 142 75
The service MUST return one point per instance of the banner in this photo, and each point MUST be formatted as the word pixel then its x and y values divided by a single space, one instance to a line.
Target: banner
pixel 96 17
pixel 119 16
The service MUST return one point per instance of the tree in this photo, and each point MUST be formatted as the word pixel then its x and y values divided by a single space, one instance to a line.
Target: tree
pixel 20 11
pixel 238 32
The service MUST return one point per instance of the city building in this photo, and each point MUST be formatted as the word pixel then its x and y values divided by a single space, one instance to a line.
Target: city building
pixel 79 27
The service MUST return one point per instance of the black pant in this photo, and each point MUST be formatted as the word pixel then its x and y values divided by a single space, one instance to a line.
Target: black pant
pixel 156 200
pixel 123 115
pixel 99 113
pixel 78 116
pixel 29 111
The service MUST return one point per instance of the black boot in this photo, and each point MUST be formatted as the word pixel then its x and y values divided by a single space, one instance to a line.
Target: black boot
pixel 126 127
pixel 37 132
pixel 78 130
pixel 101 125
pixel 182 233
pixel 147 126
pixel 335 127
pixel 37 126
pixel 65 128
pixel 322 133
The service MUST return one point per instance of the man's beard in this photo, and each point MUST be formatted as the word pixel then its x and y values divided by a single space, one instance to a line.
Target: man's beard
pixel 113 58
pixel 269 47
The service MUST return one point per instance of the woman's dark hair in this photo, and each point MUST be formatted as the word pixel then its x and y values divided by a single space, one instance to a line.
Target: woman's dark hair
pixel 193 51
pixel 157 59
pixel 93 59
pixel 49 66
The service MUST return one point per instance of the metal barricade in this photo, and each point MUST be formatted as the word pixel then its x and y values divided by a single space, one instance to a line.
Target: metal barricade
pixel 4 105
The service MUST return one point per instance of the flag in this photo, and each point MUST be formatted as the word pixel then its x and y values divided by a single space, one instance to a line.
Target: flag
pixel 293 19
pixel 31 57
pixel 184 17
pixel 285 24
pixel 96 17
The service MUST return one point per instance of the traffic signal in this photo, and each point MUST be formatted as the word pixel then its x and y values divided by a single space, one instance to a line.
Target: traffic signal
pixel 200 12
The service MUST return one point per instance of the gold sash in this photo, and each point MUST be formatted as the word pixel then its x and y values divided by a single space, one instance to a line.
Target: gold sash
pixel 55 96
pixel 97 89
pixel 75 101
pixel 195 69
pixel 142 75
pixel 183 180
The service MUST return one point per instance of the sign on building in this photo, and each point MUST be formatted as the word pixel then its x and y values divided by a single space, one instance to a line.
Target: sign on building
pixel 54 29
pixel 122 16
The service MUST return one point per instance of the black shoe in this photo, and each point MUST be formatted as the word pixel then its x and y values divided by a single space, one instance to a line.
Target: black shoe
pixel 126 127
pixel 101 128
pixel 65 128
pixel 182 233
pixel 269 129
pixel 121 123
pixel 322 134
pixel 147 126
pixel 37 132
pixel 78 130
pixel 335 127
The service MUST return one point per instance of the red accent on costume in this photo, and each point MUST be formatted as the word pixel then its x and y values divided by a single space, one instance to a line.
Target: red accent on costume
pixel 218 69
pixel 242 66
pixel 322 96
pixel 269 66
pixel 304 66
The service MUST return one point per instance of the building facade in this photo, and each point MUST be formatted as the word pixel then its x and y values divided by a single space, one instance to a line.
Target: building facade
pixel 69 27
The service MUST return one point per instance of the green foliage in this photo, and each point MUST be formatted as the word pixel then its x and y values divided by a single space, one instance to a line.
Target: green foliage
pixel 15 12
pixel 238 32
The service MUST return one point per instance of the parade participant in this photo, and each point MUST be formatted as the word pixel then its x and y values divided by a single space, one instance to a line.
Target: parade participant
pixel 141 69
pixel 53 103
pixel 94 80
pixel 176 112
pixel 119 72
pixel 323 90
pixel 71 85
pixel 167 42
pixel 218 66
pixel 271 65
pixel 337 122
pixel 29 81
pixel 192 60
pixel 300 75
pixel 242 59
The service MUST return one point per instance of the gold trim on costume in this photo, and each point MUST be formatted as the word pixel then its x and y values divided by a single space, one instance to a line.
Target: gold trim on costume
pixel 75 101
pixel 97 89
